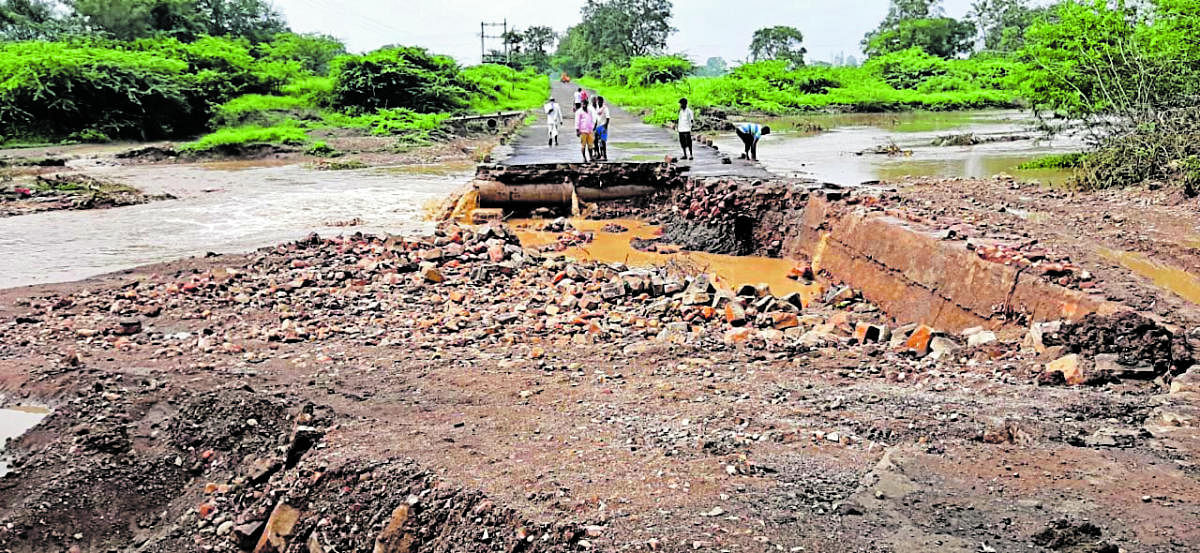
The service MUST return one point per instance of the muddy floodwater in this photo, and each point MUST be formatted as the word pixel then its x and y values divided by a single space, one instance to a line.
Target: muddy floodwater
pixel 226 208
pixel 615 247
pixel 14 422
pixel 239 206
pixel 840 151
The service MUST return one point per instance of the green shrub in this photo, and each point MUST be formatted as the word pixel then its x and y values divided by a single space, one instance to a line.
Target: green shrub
pixel 907 69
pixel 646 70
pixel 501 88
pixel 1056 161
pixel 57 89
pixel 288 133
pixel 403 77
pixel 259 109
pixel 945 83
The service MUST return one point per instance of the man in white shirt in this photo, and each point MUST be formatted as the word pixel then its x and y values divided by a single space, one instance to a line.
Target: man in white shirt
pixel 554 120
pixel 602 116
pixel 578 99
pixel 686 120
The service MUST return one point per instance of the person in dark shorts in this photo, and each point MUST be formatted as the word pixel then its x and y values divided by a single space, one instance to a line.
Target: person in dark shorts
pixel 687 120
pixel 602 116
pixel 751 133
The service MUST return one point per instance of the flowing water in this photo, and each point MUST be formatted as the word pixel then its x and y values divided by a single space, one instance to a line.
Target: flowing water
pixel 227 209
pixel 836 153
pixel 239 206
pixel 14 422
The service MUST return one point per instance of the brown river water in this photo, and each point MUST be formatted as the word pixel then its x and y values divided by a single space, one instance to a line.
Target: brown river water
pixel 237 207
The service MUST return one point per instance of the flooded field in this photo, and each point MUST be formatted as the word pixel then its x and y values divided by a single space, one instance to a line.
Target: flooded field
pixel 842 151
pixel 227 208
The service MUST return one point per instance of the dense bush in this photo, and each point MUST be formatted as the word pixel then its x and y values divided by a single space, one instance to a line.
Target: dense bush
pixel 907 69
pixel 647 70
pixel 56 90
pixel 405 77
pixel 499 88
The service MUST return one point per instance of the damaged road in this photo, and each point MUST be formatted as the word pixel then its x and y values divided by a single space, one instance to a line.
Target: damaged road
pixel 460 392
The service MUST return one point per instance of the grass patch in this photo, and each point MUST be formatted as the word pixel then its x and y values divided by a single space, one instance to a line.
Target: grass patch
pixel 289 134
pixel 1056 161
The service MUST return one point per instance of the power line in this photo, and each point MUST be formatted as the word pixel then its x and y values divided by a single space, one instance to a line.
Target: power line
pixel 483 37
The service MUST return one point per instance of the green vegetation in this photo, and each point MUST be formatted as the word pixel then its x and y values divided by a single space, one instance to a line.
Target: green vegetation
pixel 157 69
pixel 905 80
pixel 1131 74
pixel 285 133
pixel 1056 161
pixel 778 43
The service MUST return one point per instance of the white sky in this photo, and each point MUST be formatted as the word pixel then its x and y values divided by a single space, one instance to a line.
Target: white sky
pixel 706 27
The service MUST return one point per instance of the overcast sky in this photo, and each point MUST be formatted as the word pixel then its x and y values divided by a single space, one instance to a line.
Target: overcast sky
pixel 706 27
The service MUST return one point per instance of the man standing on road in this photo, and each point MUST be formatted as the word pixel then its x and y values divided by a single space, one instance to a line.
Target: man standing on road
pixel 578 98
pixel 554 120
pixel 584 127
pixel 751 133
pixel 686 120
pixel 602 117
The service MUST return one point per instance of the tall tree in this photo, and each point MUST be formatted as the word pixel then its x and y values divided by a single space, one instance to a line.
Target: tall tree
pixel 628 28
pixel 778 43
pixel 29 20
pixel 1001 23
pixel 539 39
pixel 919 23
pixel 252 19
pixel 941 36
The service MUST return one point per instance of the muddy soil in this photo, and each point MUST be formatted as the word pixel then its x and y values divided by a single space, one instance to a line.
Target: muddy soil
pixel 461 393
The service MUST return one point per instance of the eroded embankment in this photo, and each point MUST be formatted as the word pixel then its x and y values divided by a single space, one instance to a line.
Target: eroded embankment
pixel 915 273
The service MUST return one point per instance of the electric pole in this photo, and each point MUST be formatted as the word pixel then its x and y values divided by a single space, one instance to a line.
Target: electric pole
pixel 484 36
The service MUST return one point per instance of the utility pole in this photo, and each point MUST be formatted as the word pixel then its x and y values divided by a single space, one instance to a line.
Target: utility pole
pixel 484 36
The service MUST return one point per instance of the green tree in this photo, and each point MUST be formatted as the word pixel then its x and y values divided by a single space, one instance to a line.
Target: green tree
pixel 1001 23
pixel 778 43
pixel 624 29
pixel 252 19
pixel 29 20
pixel 313 51
pixel 539 39
pixel 942 36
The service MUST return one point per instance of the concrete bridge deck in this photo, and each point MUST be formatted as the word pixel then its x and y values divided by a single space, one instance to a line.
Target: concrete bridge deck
pixel 629 140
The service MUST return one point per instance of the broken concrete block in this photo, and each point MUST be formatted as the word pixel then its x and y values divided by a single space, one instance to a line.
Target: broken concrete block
pixel 1035 339
pixel 1070 367
pixel 941 346
pixel 784 321
pixel 866 332
pixel 983 337
pixel 278 529
pixel 735 314
pixel 918 341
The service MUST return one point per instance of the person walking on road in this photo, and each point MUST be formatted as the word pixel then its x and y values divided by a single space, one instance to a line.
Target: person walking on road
pixel 687 120
pixel 554 120
pixel 578 98
pixel 602 117
pixel 585 126
pixel 751 133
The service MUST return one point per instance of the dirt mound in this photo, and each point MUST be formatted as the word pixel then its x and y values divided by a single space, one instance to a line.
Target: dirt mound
pixel 1064 535
pixel 124 452
pixel 384 506
pixel 1135 339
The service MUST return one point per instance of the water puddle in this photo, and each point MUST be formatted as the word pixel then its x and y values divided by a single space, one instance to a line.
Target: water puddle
pixel 218 210
pixel 1179 281
pixel 15 421
pixel 834 152
pixel 614 247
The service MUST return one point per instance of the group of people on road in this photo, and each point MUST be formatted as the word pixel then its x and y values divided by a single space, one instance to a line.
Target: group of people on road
pixel 592 119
